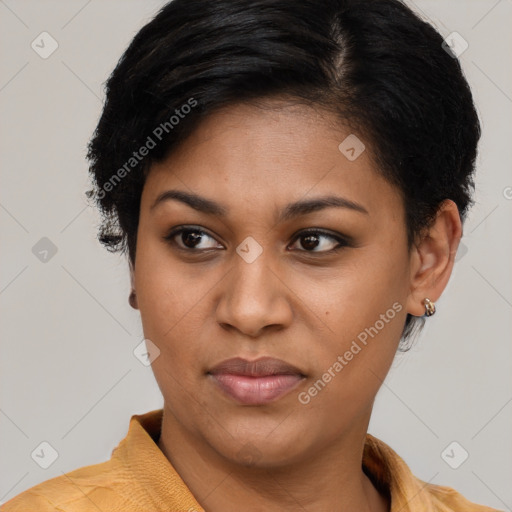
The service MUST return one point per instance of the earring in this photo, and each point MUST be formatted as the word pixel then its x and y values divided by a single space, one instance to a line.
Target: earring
pixel 430 307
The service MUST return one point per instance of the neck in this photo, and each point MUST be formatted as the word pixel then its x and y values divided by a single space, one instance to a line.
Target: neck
pixel 331 479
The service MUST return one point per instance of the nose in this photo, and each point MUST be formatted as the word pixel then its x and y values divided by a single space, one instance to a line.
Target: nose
pixel 254 298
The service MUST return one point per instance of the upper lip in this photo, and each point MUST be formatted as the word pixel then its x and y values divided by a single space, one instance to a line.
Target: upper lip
pixel 262 367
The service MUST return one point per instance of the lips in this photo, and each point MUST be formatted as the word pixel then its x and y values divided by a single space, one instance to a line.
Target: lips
pixel 256 382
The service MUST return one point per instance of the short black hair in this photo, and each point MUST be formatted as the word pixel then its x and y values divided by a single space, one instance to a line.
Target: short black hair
pixel 375 64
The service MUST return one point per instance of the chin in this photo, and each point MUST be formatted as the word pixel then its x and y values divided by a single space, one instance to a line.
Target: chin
pixel 262 451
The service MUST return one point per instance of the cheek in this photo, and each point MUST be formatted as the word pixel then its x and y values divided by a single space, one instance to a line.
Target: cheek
pixel 352 363
pixel 366 287
pixel 170 299
pixel 366 307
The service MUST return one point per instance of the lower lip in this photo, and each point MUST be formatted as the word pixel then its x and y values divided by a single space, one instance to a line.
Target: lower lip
pixel 256 390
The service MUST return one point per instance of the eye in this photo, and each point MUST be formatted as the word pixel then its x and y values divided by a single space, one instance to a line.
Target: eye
pixel 315 240
pixel 194 239
pixel 191 238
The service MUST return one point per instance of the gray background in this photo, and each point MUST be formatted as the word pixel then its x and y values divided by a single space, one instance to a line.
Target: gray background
pixel 67 369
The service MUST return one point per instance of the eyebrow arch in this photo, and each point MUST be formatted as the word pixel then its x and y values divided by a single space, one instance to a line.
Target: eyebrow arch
pixel 199 203
pixel 306 206
pixel 302 207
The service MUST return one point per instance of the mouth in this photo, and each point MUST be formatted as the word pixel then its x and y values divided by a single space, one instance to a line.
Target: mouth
pixel 258 382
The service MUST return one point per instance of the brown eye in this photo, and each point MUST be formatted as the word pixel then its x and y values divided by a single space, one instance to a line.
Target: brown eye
pixel 192 239
pixel 317 241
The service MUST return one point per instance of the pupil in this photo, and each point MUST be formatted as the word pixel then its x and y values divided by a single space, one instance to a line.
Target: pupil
pixel 190 237
pixel 311 241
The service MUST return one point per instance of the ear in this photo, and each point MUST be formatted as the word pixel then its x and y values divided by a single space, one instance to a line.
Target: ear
pixel 133 296
pixel 433 257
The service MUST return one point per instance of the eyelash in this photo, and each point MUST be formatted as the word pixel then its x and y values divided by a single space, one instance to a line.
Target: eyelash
pixel 342 241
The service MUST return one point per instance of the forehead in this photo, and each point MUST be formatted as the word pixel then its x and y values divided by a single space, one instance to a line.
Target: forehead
pixel 272 154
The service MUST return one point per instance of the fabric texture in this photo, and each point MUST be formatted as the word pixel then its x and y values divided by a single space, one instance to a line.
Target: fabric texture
pixel 139 478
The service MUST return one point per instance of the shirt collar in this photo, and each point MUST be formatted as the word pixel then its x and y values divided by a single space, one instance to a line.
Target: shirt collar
pixel 158 479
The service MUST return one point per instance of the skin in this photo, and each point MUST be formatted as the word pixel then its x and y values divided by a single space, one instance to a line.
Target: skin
pixel 293 303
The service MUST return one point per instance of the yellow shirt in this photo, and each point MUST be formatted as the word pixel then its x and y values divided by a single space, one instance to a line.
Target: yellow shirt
pixel 139 478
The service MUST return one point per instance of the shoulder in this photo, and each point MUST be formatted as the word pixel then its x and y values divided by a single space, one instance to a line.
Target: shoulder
pixel 99 486
pixel 124 483
pixel 392 475
pixel 448 499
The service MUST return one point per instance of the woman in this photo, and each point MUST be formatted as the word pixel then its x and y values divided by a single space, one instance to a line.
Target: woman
pixel 289 181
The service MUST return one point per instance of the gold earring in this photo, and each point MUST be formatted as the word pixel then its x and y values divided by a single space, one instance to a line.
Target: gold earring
pixel 430 307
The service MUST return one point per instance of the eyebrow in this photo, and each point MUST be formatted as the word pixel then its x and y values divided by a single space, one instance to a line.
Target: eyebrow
pixel 302 207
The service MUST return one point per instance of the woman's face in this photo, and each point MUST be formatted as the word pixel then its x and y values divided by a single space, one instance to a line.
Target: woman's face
pixel 250 282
